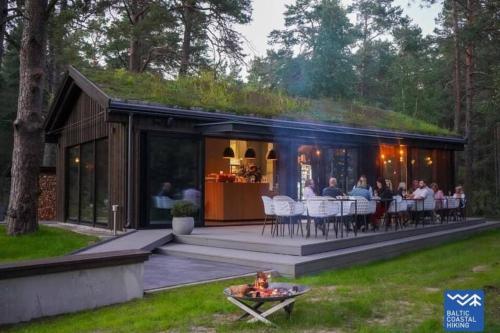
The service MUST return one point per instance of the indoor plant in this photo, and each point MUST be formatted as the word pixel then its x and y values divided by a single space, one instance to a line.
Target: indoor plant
pixel 183 213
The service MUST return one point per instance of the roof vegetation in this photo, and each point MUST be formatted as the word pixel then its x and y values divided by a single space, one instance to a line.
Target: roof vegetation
pixel 206 93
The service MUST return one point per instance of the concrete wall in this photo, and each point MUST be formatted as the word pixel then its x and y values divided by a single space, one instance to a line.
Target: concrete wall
pixel 28 297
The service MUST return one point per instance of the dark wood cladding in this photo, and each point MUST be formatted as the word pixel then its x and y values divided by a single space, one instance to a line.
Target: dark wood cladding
pixel 87 122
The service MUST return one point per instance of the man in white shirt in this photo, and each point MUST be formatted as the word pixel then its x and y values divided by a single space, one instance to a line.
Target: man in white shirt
pixel 422 192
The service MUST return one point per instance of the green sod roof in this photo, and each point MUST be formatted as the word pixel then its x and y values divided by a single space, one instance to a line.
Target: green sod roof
pixel 206 93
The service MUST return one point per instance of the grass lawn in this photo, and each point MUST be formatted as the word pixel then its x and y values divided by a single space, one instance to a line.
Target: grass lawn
pixel 46 242
pixel 400 295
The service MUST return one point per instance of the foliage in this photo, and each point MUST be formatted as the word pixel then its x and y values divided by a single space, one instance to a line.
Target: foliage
pixel 46 242
pixel 184 208
pixel 206 92
pixel 400 295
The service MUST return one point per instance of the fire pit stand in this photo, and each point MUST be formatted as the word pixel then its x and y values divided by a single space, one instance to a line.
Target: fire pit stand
pixel 285 302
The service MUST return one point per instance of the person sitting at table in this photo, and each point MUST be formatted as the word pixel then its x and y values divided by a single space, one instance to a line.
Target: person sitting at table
pixel 422 192
pixel 332 190
pixel 401 190
pixel 459 194
pixel 388 183
pixel 361 190
pixel 363 184
pixel 384 194
pixel 438 196
pixel 309 189
pixel 414 185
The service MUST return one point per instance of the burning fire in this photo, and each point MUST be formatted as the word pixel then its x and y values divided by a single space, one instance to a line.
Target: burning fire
pixel 260 288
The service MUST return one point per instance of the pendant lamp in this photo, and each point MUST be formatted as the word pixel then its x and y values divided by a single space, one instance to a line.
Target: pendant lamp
pixel 228 153
pixel 250 153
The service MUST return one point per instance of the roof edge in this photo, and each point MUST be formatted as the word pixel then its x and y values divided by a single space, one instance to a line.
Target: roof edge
pixel 157 109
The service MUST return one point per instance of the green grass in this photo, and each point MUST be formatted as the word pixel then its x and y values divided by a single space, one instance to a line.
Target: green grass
pixel 204 92
pixel 46 242
pixel 400 295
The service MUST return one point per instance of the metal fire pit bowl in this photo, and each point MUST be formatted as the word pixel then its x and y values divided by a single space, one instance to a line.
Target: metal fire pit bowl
pixel 300 290
pixel 284 302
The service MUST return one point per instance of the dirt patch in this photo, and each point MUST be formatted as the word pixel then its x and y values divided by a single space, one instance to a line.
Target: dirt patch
pixel 328 288
pixel 225 317
pixel 432 290
pixel 201 329
pixel 480 268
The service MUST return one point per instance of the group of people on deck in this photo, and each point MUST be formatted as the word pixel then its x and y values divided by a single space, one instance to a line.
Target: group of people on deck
pixel 383 193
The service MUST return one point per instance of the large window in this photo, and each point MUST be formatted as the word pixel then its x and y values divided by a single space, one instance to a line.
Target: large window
pixel 393 161
pixel 319 163
pixel 172 174
pixel 433 165
pixel 87 183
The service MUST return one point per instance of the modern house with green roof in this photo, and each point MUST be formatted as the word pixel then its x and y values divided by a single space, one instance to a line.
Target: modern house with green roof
pixel 139 143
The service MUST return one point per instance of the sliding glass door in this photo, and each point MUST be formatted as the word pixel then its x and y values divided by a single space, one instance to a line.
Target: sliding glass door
pixel 171 173
pixel 87 183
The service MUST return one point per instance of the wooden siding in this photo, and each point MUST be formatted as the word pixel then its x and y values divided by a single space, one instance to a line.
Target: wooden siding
pixel 87 122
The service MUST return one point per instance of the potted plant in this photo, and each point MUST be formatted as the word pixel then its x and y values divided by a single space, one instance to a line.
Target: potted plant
pixel 183 213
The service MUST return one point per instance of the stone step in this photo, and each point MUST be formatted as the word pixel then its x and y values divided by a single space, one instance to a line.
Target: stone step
pixel 294 265
pixel 266 244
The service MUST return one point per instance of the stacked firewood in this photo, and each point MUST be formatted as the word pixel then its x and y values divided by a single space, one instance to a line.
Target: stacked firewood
pixel 47 197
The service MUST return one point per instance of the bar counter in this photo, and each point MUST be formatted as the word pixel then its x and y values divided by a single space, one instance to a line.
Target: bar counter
pixel 234 202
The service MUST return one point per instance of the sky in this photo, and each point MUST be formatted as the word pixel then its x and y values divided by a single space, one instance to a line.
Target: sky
pixel 268 15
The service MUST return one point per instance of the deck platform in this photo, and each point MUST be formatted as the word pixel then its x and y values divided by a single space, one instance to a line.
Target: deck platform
pixel 244 245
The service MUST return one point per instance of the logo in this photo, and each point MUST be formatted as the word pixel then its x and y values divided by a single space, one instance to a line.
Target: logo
pixel 464 310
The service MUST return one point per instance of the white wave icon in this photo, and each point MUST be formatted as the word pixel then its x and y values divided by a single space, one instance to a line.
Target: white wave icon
pixel 463 300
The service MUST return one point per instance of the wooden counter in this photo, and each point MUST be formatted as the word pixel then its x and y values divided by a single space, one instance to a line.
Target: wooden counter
pixel 233 202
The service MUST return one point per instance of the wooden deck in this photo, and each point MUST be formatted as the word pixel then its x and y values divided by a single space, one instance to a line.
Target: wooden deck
pixel 296 256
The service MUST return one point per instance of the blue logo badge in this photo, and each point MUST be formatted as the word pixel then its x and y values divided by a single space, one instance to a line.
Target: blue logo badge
pixel 464 310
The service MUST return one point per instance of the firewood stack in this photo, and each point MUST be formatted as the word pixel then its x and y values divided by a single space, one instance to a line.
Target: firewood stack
pixel 47 197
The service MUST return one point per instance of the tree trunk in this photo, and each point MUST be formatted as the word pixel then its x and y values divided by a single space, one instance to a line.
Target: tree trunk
pixel 456 70
pixel 186 40
pixel 3 17
pixel 28 126
pixel 364 58
pixel 137 10
pixel 469 94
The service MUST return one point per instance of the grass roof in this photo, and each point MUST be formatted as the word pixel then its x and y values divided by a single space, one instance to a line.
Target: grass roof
pixel 206 93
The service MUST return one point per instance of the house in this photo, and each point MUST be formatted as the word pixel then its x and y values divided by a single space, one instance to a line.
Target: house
pixel 122 143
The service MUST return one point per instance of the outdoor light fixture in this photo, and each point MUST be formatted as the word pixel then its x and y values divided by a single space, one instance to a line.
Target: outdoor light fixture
pixel 77 160
pixel 228 153
pixel 250 154
pixel 318 152
pixel 272 155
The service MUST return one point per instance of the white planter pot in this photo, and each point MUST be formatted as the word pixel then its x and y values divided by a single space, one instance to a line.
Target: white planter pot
pixel 182 225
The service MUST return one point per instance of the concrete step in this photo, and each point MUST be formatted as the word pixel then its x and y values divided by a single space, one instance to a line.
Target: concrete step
pixel 266 244
pixel 293 265
pixel 146 240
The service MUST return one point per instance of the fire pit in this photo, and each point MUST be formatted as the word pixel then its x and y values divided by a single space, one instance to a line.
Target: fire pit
pixel 261 292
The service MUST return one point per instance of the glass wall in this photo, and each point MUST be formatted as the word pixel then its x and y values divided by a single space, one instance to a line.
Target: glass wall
pixel 101 183
pixel 433 165
pixel 73 183
pixel 393 161
pixel 172 174
pixel 87 183
pixel 319 163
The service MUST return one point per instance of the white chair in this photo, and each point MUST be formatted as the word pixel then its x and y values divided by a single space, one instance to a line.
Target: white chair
pixel 429 206
pixel 363 209
pixel 453 206
pixel 321 209
pixel 285 207
pixel 269 213
pixel 396 209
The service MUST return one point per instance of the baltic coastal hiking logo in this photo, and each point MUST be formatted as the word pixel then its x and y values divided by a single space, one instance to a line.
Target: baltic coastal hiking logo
pixel 464 310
